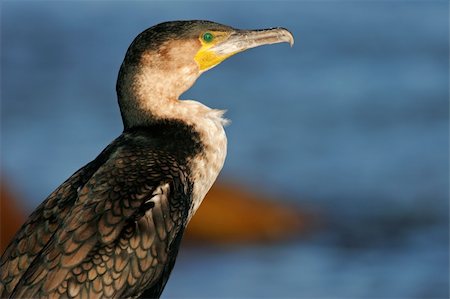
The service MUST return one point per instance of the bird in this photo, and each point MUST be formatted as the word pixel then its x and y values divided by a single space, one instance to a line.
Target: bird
pixel 113 228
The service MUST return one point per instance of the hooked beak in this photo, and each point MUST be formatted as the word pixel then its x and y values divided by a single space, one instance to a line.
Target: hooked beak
pixel 238 41
pixel 242 40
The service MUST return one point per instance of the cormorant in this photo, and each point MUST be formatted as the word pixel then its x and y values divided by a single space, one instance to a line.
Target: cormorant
pixel 113 229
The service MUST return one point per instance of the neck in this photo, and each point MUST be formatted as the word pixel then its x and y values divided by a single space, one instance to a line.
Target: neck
pixel 147 96
pixel 149 84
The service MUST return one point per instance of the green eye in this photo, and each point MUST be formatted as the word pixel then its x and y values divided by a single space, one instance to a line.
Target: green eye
pixel 208 37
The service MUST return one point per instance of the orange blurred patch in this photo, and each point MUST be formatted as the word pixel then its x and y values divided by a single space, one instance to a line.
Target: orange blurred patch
pixel 230 214
pixel 11 216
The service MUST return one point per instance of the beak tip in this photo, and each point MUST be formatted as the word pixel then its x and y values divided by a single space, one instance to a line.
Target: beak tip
pixel 289 36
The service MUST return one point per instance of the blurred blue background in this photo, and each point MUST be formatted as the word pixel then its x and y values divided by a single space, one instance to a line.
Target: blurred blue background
pixel 352 121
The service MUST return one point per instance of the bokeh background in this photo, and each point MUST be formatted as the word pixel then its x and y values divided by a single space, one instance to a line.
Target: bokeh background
pixel 351 124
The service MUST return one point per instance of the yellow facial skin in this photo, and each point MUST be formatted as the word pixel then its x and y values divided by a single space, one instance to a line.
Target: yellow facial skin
pixel 206 58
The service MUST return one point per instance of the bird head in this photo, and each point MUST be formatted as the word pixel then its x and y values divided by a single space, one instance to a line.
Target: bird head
pixel 165 60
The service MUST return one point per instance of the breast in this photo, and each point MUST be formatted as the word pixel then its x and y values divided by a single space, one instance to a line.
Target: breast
pixel 207 164
pixel 202 128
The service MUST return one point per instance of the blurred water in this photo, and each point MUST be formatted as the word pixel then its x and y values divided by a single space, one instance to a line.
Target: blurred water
pixel 312 270
pixel 352 121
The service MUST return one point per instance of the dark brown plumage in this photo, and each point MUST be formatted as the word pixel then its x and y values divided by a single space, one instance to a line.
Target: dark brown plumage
pixel 96 217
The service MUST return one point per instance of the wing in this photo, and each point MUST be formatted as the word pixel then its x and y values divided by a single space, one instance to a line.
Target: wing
pixel 38 229
pixel 120 235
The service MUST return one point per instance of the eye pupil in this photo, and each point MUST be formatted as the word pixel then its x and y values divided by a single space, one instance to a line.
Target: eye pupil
pixel 208 37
